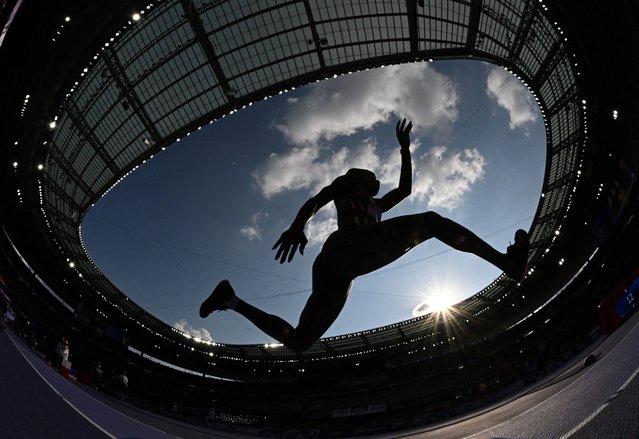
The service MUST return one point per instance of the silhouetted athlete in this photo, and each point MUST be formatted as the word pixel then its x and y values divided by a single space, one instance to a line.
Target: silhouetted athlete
pixel 362 244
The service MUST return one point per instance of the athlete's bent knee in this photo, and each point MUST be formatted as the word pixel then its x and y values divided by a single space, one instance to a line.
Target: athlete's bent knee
pixel 431 218
pixel 299 344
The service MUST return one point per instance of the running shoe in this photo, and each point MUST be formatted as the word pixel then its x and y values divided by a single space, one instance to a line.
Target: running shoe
pixel 517 255
pixel 218 299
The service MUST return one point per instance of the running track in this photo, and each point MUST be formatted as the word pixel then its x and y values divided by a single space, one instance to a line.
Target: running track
pixel 597 402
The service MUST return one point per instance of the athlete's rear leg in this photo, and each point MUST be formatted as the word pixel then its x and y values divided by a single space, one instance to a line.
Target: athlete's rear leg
pixel 321 310
pixel 223 297
pixel 513 262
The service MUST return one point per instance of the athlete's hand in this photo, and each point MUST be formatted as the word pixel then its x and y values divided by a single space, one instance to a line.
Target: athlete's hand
pixel 403 134
pixel 289 242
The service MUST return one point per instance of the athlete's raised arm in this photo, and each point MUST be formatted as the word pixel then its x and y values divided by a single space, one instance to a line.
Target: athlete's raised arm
pixel 403 190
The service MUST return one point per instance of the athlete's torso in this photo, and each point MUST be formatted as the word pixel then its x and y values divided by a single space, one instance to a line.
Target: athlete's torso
pixel 356 208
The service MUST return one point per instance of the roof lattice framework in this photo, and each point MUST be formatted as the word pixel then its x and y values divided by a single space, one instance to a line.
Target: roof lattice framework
pixel 187 63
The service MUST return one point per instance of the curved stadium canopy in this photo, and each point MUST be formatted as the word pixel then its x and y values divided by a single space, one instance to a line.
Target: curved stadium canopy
pixel 186 63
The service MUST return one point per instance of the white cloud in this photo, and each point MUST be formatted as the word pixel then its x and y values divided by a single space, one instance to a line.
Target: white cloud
pixel 202 333
pixel 253 230
pixel 358 102
pixel 443 178
pixel 421 309
pixel 349 103
pixel 320 227
pixel 511 95
pixel 305 168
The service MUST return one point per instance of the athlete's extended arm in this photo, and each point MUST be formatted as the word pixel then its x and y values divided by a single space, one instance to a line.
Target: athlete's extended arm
pixel 392 198
pixel 294 238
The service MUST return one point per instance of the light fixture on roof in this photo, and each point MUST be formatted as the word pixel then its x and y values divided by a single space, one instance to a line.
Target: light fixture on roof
pixel 136 17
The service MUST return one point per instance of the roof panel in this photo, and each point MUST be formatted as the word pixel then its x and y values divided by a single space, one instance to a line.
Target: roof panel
pixel 165 31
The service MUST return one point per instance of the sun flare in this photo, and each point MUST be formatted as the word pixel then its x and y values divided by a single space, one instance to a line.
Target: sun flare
pixel 440 302
pixel 434 302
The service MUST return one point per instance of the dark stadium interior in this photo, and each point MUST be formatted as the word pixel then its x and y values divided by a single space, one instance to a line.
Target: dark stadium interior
pixel 578 58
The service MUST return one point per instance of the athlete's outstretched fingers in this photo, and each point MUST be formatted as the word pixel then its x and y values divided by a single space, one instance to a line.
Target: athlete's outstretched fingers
pixel 285 250
pixel 402 131
pixel 398 127
pixel 282 251
pixel 293 250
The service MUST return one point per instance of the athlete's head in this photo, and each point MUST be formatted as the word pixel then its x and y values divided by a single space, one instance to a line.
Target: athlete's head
pixel 520 235
pixel 366 178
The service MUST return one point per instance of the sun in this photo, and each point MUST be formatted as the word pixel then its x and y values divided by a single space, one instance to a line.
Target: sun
pixel 437 301
pixel 437 298
pixel 440 301
pixel 439 287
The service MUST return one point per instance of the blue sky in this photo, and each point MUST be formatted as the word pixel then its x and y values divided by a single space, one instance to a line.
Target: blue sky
pixel 212 205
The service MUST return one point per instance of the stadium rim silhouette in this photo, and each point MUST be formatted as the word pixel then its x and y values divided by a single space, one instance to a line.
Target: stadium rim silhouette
pixel 134 86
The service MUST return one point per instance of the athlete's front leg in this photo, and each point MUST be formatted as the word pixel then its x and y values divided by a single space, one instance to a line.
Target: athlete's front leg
pixel 322 307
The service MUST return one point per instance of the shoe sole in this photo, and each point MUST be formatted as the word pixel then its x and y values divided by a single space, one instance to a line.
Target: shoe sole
pixel 207 308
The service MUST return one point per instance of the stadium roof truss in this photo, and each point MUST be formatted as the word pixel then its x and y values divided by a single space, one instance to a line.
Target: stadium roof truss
pixel 186 63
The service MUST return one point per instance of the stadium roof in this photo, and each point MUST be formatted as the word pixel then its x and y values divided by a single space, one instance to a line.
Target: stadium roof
pixel 115 85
